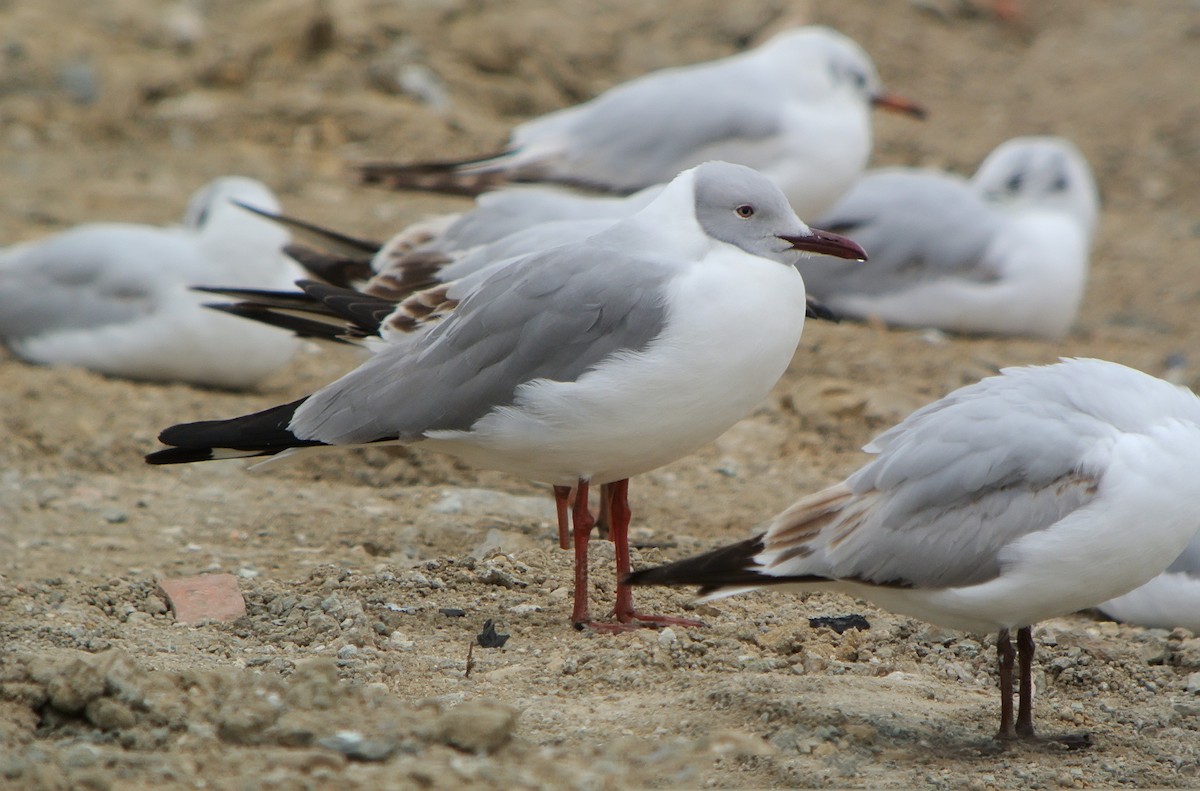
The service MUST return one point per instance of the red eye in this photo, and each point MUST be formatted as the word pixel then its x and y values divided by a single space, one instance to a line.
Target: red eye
pixel 745 211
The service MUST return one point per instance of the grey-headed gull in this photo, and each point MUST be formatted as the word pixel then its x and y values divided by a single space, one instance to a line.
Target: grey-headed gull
pixel 1169 600
pixel 1025 496
pixel 796 108
pixel 115 298
pixel 1005 253
pixel 584 364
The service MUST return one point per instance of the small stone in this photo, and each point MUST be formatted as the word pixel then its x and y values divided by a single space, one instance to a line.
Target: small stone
pixel 1193 683
pixel 667 637
pixel 357 747
pixel 489 637
pixel 478 725
pixel 80 81
pixel 840 623
pixel 110 715
pixel 347 652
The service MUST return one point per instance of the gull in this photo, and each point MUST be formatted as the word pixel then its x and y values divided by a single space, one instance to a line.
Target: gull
pixel 1170 600
pixel 581 365
pixel 796 108
pixel 1025 496
pixel 1005 253
pixel 115 298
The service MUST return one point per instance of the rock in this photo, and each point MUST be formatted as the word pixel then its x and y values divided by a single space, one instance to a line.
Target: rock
pixel 480 726
pixel 244 719
pixel 79 80
pixel 314 685
pixel 110 715
pixel 74 686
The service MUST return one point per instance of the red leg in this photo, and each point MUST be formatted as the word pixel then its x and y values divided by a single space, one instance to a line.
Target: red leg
pixel 582 522
pixel 620 513
pixel 604 521
pixel 562 497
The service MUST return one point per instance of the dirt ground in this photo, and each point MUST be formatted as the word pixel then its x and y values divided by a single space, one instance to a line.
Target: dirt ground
pixel 368 574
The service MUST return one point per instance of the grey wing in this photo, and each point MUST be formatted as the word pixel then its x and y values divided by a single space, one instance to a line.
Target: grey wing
pixel 647 130
pixel 550 316
pixel 952 486
pixel 501 213
pixel 528 240
pixel 88 277
pixel 916 227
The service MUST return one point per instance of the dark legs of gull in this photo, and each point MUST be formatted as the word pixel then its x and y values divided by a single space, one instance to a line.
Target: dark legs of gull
pixel 1025 666
pixel 1006 655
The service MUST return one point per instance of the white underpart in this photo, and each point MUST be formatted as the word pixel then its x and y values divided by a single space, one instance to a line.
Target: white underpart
pixel 1170 600
pixel 1041 259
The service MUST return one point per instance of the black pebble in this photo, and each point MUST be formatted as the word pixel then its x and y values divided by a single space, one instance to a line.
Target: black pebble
pixel 452 612
pixel 488 638
pixel 840 623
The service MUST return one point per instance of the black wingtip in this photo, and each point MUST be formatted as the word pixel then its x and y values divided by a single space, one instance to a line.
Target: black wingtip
pixel 179 455
pixel 263 433
pixel 723 567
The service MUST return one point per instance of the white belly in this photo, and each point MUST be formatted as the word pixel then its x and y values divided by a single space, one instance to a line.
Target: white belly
pixel 731 332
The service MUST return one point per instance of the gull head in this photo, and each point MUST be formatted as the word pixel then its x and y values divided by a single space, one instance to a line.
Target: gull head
pixel 740 206
pixel 220 194
pixel 1040 173
pixel 823 63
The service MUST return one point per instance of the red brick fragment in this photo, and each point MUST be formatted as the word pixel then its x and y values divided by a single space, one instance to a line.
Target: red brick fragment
pixel 207 597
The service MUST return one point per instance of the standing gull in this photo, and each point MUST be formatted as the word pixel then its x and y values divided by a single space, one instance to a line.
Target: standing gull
pixel 1004 253
pixel 584 364
pixel 115 298
pixel 796 108
pixel 1025 496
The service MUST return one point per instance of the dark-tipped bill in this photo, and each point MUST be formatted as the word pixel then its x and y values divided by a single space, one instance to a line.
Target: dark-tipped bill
pixel 898 104
pixel 826 243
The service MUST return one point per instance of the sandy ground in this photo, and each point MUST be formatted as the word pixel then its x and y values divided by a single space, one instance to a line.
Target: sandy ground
pixel 347 561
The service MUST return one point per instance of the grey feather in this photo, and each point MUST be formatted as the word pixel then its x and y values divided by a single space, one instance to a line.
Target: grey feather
pixel 961 479
pixel 552 317
pixel 917 226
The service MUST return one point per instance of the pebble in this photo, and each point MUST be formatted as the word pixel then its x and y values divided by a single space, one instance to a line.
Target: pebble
pixel 478 725
pixel 357 747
